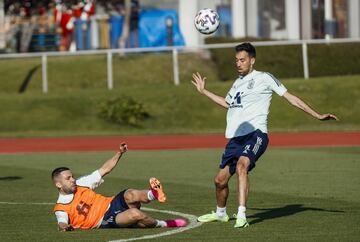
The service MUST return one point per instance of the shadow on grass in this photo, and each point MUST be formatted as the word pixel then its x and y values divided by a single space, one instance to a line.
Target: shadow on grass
pixel 27 79
pixel 10 178
pixel 271 213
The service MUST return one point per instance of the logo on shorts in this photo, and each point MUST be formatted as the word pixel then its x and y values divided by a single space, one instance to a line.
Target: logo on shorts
pixel 257 145
pixel 246 149
pixel 251 84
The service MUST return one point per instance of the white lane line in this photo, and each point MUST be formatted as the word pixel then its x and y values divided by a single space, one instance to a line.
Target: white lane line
pixel 193 223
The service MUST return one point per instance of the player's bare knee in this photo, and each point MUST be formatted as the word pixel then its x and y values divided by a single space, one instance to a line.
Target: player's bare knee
pixel 220 183
pixel 136 214
pixel 241 168
pixel 243 165
pixel 129 196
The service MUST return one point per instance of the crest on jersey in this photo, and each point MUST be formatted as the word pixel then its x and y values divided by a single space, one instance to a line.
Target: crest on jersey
pixel 251 84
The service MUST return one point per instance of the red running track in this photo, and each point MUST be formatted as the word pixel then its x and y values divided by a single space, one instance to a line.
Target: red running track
pixel 167 142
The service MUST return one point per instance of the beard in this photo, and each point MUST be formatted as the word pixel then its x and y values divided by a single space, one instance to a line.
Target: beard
pixel 69 190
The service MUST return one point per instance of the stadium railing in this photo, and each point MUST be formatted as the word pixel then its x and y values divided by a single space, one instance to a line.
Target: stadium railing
pixel 174 50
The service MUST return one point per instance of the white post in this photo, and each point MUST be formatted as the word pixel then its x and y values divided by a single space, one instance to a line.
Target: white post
pixel 187 12
pixel 306 19
pixel 94 33
pixel 328 10
pixel 292 12
pixel 354 18
pixel 252 18
pixel 44 73
pixel 328 19
pixel 175 66
pixel 109 71
pixel 305 60
pixel 2 25
pixel 238 13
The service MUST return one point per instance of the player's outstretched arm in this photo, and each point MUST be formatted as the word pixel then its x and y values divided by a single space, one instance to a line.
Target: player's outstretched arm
pixel 297 102
pixel 199 83
pixel 112 162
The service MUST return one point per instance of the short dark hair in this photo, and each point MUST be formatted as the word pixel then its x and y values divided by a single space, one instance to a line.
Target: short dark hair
pixel 57 171
pixel 249 48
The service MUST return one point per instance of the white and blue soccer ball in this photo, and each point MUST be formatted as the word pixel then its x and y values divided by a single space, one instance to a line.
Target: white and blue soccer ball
pixel 207 21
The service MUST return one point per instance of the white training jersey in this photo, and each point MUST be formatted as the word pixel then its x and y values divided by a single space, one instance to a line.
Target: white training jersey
pixel 249 101
pixel 91 181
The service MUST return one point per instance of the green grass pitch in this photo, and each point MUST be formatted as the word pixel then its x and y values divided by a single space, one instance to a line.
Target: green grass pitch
pixel 307 194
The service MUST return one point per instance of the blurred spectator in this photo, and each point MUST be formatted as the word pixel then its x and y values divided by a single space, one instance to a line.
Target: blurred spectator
pixel 130 10
pixel 134 23
pixel 66 15
pixel 65 21
pixel 53 22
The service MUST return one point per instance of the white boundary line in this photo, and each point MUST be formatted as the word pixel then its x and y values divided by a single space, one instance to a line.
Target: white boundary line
pixel 193 223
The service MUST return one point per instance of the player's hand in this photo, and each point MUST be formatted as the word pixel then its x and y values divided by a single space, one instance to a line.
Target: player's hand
pixel 65 227
pixel 328 116
pixel 69 228
pixel 123 148
pixel 199 82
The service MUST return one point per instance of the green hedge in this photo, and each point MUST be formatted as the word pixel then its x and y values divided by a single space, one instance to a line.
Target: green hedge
pixel 286 61
pixel 123 110
pixel 334 59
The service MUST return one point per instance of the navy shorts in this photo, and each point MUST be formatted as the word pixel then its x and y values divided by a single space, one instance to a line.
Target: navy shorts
pixel 117 205
pixel 252 145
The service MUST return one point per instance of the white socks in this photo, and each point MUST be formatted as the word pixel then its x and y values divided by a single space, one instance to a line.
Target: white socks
pixel 241 212
pixel 150 196
pixel 220 212
pixel 160 224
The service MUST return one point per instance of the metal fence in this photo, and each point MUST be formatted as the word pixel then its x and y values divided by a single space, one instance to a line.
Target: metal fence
pixel 174 50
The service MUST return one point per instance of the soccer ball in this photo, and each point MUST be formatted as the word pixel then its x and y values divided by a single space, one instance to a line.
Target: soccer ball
pixel 207 21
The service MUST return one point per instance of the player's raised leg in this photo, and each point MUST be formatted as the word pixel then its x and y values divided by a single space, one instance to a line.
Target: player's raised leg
pixel 135 217
pixel 134 197
pixel 222 192
pixel 242 168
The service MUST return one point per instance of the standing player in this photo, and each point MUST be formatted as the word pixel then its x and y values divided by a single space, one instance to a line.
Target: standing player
pixel 248 103
pixel 79 207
